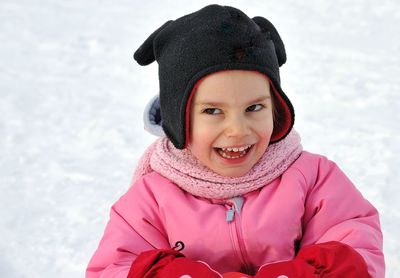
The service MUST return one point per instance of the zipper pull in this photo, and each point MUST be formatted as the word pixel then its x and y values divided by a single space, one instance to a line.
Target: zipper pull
pixel 236 204
pixel 230 213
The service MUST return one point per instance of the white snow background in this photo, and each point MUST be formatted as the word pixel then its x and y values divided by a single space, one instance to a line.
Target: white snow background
pixel 72 97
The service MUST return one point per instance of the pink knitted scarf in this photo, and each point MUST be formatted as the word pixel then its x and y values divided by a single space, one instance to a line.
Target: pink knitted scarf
pixel 181 167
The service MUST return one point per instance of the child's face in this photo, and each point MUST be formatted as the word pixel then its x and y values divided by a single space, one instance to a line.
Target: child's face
pixel 231 109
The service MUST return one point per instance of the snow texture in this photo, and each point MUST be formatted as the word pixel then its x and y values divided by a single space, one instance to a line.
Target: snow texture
pixel 72 98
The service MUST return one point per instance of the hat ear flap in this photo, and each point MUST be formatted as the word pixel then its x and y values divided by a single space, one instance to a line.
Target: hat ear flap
pixel 267 26
pixel 144 55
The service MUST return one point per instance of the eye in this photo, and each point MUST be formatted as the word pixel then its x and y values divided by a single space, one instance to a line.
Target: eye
pixel 212 111
pixel 254 107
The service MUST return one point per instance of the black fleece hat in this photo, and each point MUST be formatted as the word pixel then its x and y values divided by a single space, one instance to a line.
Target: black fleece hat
pixel 213 39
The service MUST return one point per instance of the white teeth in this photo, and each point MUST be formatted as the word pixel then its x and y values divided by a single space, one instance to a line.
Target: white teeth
pixel 242 151
pixel 229 149
pixel 228 156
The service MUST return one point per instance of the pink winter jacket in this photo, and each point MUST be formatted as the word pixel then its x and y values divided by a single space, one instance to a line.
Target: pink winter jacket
pixel 312 202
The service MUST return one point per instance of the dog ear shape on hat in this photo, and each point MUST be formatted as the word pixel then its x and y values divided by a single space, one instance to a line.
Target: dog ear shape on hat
pixel 267 26
pixel 144 55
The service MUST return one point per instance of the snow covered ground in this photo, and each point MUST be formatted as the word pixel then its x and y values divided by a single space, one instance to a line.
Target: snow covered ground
pixel 71 102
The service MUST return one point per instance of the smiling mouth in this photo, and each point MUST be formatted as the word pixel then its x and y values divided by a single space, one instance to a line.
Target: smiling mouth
pixel 234 153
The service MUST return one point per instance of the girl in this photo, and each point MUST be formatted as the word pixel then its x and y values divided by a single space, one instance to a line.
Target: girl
pixel 229 191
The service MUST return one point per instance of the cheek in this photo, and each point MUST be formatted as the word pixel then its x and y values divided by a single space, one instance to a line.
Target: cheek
pixel 264 125
pixel 200 143
pixel 201 131
pixel 202 140
pixel 265 132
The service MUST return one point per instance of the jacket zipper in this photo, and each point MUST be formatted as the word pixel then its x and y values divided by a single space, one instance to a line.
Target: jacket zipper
pixel 233 217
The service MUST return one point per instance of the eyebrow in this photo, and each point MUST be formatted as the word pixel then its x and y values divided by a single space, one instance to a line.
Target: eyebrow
pixel 219 104
pixel 260 99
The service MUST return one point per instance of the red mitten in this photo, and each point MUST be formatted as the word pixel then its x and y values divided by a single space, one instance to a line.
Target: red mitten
pixel 168 264
pixel 149 263
pixel 334 259
pixel 235 275
pixel 292 269
pixel 329 260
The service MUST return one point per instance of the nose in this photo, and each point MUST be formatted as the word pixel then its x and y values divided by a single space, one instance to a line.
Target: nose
pixel 237 127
